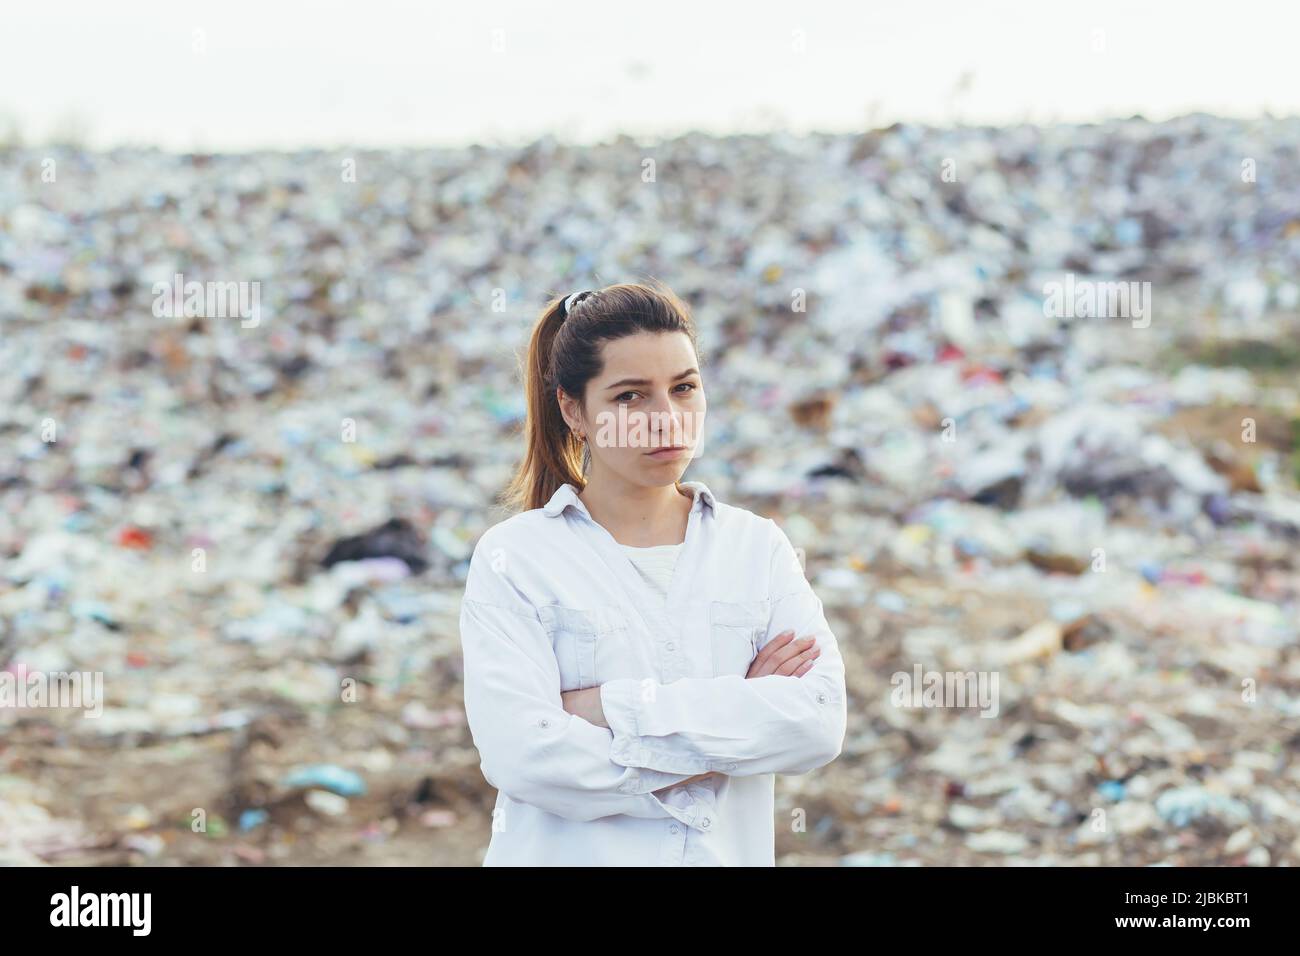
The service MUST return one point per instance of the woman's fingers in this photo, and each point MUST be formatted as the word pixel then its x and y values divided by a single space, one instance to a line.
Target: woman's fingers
pixel 761 664
pixel 789 657
pixel 792 665
pixel 774 645
pixel 773 657
pixel 781 651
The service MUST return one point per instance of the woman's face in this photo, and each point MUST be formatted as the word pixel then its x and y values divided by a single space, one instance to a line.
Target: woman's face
pixel 643 414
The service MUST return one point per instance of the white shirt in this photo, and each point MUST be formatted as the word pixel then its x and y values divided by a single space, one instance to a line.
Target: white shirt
pixel 656 565
pixel 552 603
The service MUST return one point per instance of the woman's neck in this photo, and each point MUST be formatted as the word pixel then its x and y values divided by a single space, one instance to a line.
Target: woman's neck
pixel 636 515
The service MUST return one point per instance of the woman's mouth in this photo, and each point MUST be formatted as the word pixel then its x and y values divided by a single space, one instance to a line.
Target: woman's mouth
pixel 668 453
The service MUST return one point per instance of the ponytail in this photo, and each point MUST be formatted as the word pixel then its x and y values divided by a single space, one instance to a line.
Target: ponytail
pixel 553 455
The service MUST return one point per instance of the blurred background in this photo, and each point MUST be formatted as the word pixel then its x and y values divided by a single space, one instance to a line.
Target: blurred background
pixel 254 520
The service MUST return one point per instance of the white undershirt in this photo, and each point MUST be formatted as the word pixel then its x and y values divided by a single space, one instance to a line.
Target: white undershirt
pixel 655 565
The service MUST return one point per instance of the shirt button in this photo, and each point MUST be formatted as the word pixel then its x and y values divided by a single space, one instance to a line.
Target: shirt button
pixel 705 823
pixel 543 723
pixel 673 828
pixel 821 698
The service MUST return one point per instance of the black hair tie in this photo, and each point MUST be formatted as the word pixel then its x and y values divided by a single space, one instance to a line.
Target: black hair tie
pixel 574 299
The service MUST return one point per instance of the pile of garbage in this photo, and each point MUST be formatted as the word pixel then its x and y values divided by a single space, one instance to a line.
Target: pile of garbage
pixel 255 523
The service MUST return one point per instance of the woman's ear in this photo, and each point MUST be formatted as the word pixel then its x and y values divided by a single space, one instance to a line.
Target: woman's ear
pixel 571 410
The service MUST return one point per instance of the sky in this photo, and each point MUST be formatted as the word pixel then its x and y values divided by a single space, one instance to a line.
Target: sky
pixel 249 74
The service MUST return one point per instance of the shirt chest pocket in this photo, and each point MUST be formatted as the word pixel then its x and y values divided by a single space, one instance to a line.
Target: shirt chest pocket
pixel 735 629
pixel 591 644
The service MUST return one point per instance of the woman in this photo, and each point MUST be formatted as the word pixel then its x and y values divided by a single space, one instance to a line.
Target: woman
pixel 633 681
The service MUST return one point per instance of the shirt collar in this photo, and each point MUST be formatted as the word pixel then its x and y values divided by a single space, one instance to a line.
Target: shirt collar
pixel 567 495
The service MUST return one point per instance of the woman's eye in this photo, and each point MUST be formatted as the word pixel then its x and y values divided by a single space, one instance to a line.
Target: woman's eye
pixel 682 388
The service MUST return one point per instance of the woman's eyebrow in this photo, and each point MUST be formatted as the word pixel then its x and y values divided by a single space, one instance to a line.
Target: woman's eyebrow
pixel 646 381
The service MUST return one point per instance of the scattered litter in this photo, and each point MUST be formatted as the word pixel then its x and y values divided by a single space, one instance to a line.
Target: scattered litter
pixel 259 534
pixel 329 777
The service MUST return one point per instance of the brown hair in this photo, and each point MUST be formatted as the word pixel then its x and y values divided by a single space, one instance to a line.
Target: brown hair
pixel 565 351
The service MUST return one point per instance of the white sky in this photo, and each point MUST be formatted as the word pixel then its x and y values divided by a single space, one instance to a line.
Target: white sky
pixel 275 73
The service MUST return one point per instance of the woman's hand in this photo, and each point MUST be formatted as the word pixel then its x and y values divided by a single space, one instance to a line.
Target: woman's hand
pixel 785 656
pixel 586 704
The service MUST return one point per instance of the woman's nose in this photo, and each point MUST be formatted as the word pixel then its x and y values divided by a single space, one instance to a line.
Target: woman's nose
pixel 663 415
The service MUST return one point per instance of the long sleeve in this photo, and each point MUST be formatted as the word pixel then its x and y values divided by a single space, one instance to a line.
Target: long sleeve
pixel 530 748
pixel 737 725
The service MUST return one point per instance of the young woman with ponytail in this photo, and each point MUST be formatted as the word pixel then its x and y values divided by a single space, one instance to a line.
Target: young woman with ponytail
pixel 633 681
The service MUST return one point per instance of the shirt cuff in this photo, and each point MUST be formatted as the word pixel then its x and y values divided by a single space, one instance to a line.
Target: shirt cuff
pixel 623 705
pixel 691 804
pixel 619 701
pixel 642 780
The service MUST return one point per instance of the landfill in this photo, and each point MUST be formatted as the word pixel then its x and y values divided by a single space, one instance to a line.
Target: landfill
pixel 257 529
